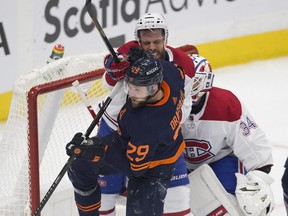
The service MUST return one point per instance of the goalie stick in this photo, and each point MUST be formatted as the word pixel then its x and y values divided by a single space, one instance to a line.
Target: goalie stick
pixel 95 121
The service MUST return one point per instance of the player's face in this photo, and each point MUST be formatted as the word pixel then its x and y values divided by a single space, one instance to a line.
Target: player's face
pixel 137 94
pixel 153 41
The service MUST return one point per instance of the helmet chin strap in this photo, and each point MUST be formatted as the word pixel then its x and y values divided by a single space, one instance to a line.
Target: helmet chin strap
pixel 155 93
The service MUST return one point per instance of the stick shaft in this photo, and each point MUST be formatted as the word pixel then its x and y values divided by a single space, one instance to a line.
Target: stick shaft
pixel 92 13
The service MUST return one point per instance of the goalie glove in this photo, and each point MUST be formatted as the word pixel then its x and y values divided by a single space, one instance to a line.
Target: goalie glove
pixel 254 193
pixel 114 69
pixel 90 149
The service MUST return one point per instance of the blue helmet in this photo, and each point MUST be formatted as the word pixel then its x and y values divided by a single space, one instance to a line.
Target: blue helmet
pixel 146 71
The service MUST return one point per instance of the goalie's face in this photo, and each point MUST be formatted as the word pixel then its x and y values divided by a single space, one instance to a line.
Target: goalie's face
pixel 153 40
pixel 139 95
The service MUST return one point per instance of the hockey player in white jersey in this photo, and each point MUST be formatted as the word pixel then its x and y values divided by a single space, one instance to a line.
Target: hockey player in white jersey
pixel 222 133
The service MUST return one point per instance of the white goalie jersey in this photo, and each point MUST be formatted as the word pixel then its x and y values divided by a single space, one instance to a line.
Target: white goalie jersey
pixel 224 126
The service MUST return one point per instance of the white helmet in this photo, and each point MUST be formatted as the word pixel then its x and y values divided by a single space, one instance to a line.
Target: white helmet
pixel 151 21
pixel 203 80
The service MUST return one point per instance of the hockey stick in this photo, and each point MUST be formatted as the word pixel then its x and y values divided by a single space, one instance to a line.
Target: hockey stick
pixel 70 160
pixel 92 13
pixel 84 98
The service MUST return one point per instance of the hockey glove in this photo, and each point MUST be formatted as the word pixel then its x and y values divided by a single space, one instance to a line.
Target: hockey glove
pixel 90 149
pixel 136 52
pixel 254 193
pixel 116 70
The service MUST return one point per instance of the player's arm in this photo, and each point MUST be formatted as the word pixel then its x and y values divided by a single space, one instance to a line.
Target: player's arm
pixel 250 143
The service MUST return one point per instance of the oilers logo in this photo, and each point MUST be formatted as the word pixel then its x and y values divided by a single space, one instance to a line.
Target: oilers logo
pixel 197 151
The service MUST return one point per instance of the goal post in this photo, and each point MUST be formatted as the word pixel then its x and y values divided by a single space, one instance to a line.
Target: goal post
pixel 33 124
pixel 46 111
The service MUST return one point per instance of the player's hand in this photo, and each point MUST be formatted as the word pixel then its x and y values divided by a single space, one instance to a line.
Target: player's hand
pixel 135 53
pixel 89 149
pixel 116 70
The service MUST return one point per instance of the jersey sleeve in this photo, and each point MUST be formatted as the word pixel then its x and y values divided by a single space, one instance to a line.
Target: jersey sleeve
pixel 250 143
pixel 184 61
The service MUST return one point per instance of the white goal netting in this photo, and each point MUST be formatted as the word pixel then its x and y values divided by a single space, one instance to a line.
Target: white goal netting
pixel 46 111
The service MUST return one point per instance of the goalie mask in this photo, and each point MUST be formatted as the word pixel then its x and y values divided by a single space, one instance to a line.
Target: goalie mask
pixel 143 80
pixel 203 80
pixel 151 21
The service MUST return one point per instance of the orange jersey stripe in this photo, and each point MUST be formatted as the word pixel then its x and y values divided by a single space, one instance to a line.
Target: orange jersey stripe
pixel 152 164
pixel 89 208
pixel 169 160
pixel 177 132
pixel 135 167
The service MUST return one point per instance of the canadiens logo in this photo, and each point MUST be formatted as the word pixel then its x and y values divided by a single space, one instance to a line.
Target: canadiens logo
pixel 102 183
pixel 197 151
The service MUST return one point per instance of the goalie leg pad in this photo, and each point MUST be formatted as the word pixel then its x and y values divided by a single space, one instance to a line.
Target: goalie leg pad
pixel 208 196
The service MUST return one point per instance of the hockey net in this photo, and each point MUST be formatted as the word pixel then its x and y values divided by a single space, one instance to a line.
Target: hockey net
pixel 46 111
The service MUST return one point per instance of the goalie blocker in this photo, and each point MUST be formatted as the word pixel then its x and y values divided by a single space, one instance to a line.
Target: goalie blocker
pixel 208 196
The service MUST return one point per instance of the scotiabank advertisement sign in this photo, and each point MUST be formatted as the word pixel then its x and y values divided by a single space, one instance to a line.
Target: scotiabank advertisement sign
pixel 29 29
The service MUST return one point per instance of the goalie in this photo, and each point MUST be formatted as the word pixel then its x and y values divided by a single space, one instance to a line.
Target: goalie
pixel 221 132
